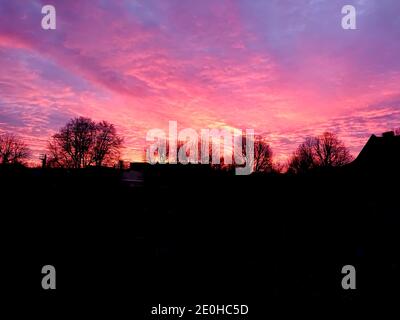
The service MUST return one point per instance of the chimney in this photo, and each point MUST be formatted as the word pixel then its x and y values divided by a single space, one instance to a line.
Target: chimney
pixel 388 134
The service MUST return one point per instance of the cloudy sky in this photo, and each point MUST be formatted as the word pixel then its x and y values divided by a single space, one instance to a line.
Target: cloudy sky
pixel 284 68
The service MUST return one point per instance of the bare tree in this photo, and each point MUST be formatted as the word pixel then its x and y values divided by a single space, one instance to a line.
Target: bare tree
pixel 330 151
pixel 397 131
pixel 262 155
pixel 325 150
pixel 12 149
pixel 71 146
pixel 107 144
pixel 58 157
pixel 303 159
pixel 82 143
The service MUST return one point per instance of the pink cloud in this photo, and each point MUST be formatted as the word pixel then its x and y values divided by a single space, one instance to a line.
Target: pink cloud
pixel 287 71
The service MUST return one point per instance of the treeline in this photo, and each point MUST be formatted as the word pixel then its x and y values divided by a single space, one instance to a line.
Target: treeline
pixel 323 151
pixel 83 142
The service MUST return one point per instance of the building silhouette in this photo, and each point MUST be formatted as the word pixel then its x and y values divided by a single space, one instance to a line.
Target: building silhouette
pixel 380 153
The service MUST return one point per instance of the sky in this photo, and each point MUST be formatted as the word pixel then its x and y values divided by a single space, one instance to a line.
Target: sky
pixel 285 68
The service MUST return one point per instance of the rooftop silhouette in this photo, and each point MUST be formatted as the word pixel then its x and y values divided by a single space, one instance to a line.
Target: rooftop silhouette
pixel 380 152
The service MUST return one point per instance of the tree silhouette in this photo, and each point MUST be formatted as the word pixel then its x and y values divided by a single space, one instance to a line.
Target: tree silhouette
pixel 12 149
pixel 303 159
pixel 107 144
pixel 324 151
pixel 262 155
pixel 83 142
pixel 330 151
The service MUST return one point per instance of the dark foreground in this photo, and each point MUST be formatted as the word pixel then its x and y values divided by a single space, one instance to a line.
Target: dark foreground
pixel 189 236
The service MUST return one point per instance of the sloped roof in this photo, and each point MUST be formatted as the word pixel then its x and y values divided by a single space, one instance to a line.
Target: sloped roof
pixel 380 152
